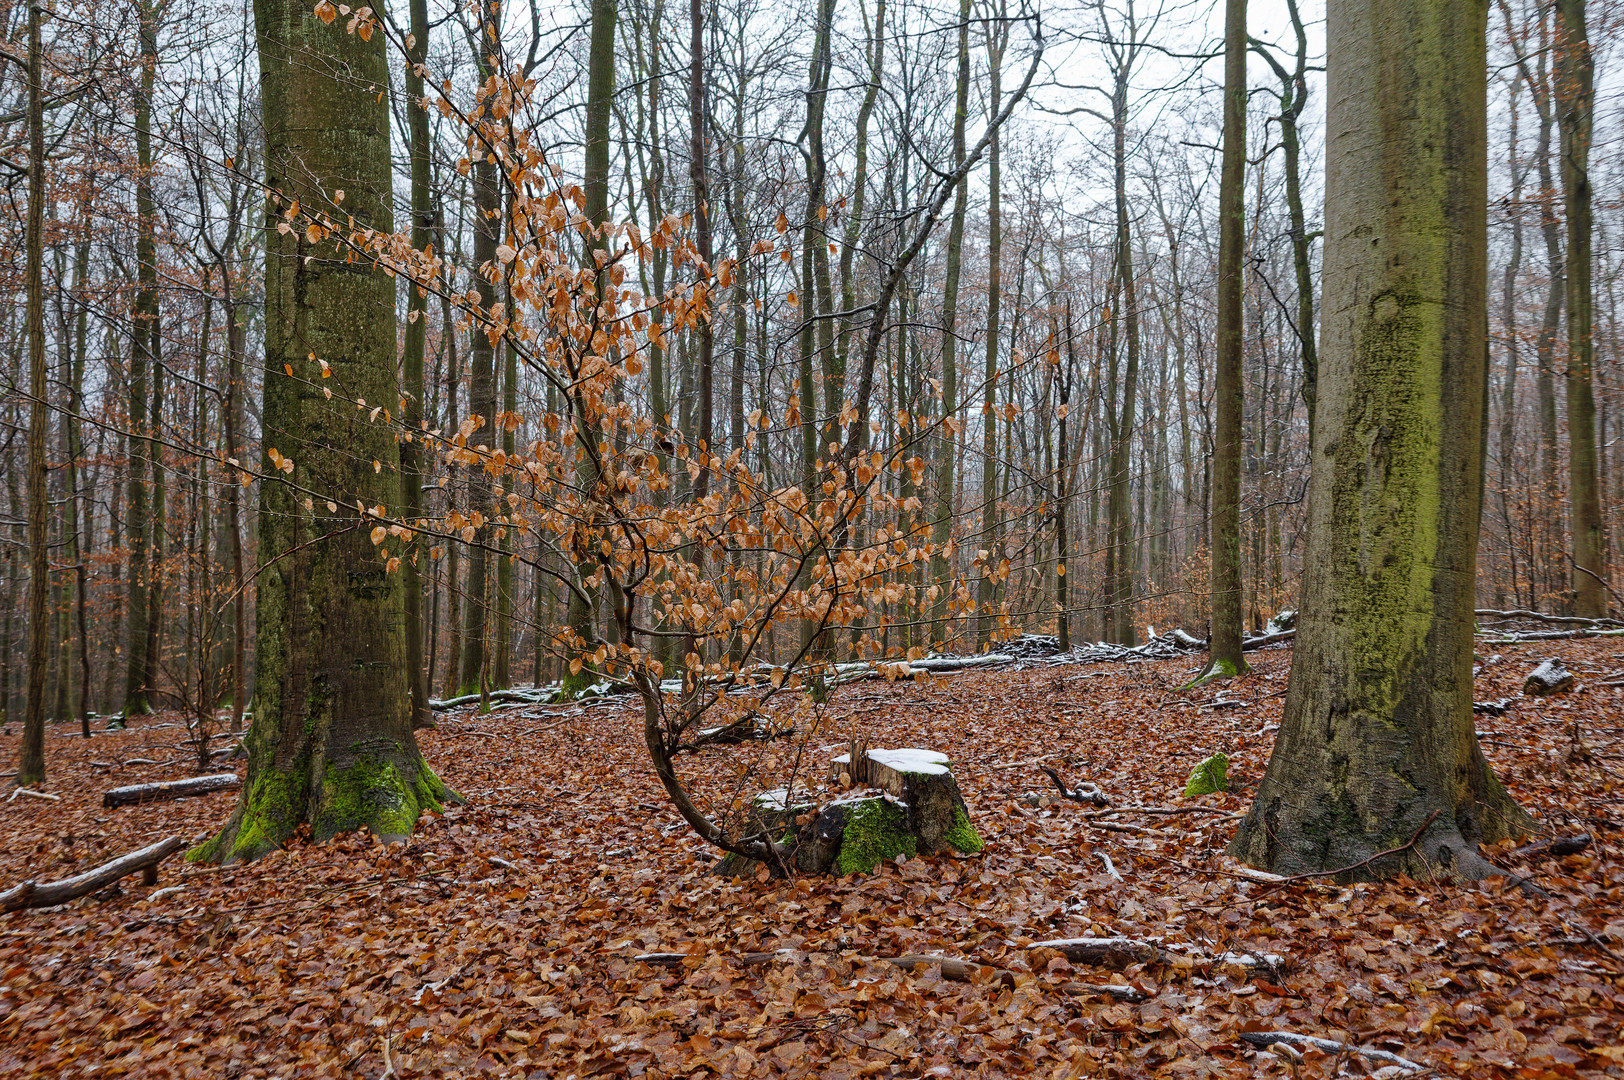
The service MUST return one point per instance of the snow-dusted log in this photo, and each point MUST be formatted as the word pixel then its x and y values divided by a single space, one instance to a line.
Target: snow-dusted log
pixel 171 789
pixel 1551 677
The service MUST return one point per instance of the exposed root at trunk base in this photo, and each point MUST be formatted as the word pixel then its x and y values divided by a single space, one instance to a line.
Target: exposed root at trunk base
pixel 373 793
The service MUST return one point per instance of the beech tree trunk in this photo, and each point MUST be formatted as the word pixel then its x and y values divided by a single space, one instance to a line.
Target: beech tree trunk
pixel 331 742
pixel 1377 735
pixel 1228 385
pixel 416 337
pixel 31 765
pixel 1575 98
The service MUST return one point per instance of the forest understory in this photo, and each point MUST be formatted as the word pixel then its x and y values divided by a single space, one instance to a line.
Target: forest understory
pixel 503 939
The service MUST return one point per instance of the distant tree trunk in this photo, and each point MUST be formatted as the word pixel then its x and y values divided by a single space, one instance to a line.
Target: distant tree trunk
pixel 331 742
pixel 31 764
pixel 417 312
pixel 482 409
pixel 1575 100
pixel 1549 515
pixel 1508 388
pixel 941 532
pixel 1377 744
pixel 1228 383
pixel 140 567
pixel 600 99
pixel 1120 579
pixel 988 587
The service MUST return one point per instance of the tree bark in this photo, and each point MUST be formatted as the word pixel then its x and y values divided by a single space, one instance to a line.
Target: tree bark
pixel 412 353
pixel 1228 383
pixel 31 765
pixel 144 335
pixel 941 530
pixel 1575 101
pixel 331 742
pixel 1377 738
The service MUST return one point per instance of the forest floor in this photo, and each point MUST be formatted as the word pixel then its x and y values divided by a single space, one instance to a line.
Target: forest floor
pixel 500 940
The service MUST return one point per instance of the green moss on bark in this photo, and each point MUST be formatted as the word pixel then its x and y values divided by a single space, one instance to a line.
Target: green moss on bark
pixel 963 836
pixel 876 829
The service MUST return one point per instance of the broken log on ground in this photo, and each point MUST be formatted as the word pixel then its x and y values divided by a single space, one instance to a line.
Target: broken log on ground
pixel 906 804
pixel 1117 953
pixel 134 794
pixel 1265 1039
pixel 1550 677
pixel 1557 846
pixel 146 860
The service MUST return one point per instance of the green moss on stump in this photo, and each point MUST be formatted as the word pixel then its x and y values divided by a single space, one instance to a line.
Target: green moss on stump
pixel 876 829
pixel 963 836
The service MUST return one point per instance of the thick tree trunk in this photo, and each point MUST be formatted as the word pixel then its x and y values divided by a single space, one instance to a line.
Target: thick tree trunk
pixel 144 336
pixel 1228 384
pixel 1377 736
pixel 331 742
pixel 1120 575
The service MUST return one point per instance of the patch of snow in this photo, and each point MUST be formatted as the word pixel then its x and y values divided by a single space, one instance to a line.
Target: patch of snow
pixel 912 760
pixel 776 799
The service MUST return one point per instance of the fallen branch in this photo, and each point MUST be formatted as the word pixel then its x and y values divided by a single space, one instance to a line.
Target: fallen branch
pixel 1085 793
pixel 1513 637
pixel 171 789
pixel 30 895
pixel 1556 845
pixel 1267 639
pixel 525 697
pixel 32 794
pixel 1539 616
pixel 1265 1039
pixel 1111 952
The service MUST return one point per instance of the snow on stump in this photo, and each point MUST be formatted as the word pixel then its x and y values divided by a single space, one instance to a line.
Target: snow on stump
pixel 918 810
pixel 1549 678
pixel 907 804
pixel 1210 776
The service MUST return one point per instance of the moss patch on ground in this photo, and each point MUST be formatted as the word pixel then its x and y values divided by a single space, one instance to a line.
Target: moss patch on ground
pixel 1210 776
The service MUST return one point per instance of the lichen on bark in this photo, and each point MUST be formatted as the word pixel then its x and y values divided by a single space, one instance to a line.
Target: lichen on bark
pixel 1378 734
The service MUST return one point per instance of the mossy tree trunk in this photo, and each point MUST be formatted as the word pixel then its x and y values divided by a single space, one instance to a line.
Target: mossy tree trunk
pixel 331 742
pixel 1378 735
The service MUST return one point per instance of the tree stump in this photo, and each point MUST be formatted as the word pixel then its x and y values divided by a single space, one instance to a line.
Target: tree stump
pixel 908 804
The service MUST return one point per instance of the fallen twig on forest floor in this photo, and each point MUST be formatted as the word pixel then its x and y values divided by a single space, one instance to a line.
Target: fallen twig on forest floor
pixel 1265 1039
pixel 32 794
pixel 1084 793
pixel 146 860
pixel 1556 845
